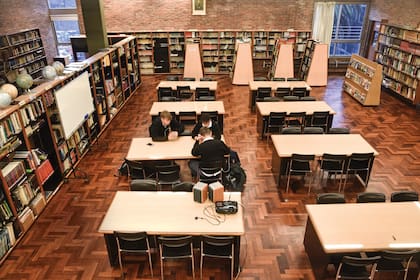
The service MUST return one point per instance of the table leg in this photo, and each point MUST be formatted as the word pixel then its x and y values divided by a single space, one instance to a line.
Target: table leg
pixel 111 247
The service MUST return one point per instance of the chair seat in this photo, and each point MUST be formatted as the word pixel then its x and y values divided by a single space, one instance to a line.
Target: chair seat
pixel 389 265
pixel 356 273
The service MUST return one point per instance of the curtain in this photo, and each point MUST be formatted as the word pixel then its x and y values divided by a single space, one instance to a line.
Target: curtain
pixel 323 22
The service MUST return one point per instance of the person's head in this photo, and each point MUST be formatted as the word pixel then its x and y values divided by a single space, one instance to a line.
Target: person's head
pixel 165 118
pixel 205 132
pixel 205 120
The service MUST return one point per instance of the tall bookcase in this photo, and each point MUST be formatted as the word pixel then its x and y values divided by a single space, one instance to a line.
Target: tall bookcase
pixel 35 158
pixel 314 65
pixel 282 61
pixel 363 80
pixel 398 50
pixel 22 51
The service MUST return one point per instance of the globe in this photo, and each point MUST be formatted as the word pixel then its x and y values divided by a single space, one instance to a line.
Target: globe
pixel 49 73
pixel 58 66
pixel 5 99
pixel 10 90
pixel 24 81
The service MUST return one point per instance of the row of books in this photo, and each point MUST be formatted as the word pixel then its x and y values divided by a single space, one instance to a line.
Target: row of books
pixel 401 77
pixel 399 65
pixel 411 35
pixel 5 211
pixel 24 48
pixel 7 238
pixel 10 146
pixel 399 88
pixel 400 44
pixel 44 171
pixel 31 159
pixel 8 127
pixel 23 194
pixel 32 111
pixel 366 69
pixel 13 172
pixel 396 53
pixel 363 82
pixel 357 94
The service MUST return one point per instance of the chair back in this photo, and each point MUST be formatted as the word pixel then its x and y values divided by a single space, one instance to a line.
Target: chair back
pixel 307 98
pixel 175 246
pixel 290 98
pixel 369 197
pixel 403 196
pixel 168 174
pixel 191 79
pixel 357 268
pixel 300 162
pixel 360 161
pixel 143 185
pixel 211 171
pixel 263 92
pixel 339 130
pixel 278 79
pixel 333 162
pixel 204 94
pixel 166 94
pixel 276 121
pixel 184 92
pixel 187 117
pixel 172 78
pixel 320 119
pixel 296 119
pixel 313 130
pixel 282 91
pixel 294 79
pixel 330 198
pixel 183 187
pixel 299 91
pixel 291 130
pixel 206 79
pixel 135 169
pixel 132 241
pixel 218 246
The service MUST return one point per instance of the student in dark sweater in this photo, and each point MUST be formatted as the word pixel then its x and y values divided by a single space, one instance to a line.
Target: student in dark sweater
pixel 206 121
pixel 208 149
pixel 165 127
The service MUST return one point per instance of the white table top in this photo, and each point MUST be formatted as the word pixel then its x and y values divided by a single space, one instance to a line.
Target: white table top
pixel 168 213
pixel 318 144
pixel 254 85
pixel 183 106
pixel 179 148
pixel 265 108
pixel 355 227
pixel 212 85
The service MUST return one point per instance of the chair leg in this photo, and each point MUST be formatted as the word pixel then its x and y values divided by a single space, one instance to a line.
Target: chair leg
pixel 150 263
pixel 232 267
pixel 201 267
pixel 288 181
pixel 161 262
pixel 121 265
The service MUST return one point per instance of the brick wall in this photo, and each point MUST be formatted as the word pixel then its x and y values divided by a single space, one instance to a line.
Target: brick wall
pixel 136 15
pixel 17 15
pixel 403 12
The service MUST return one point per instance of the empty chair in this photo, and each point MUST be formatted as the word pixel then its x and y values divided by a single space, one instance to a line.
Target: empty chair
pixel 260 79
pixel 132 243
pixel 206 79
pixel 293 79
pixel 176 247
pixel 166 94
pixel 184 92
pixel 168 174
pixel 172 78
pixel 204 94
pixel 313 130
pixel 282 92
pixel 218 247
pixel 333 163
pixel 300 165
pixel 307 98
pixel 396 261
pixel 290 98
pixel 338 130
pixel 187 119
pixel 330 198
pixel 291 130
pixel 183 187
pixel 143 185
pixel 403 196
pixel 359 162
pixel 275 123
pixel 357 268
pixel 296 119
pixel 263 93
pixel 210 172
pixel 320 119
pixel 135 169
pixel 191 79
pixel 278 79
pixel 299 91
pixel 368 197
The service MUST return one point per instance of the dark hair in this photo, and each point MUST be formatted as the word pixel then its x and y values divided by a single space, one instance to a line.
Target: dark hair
pixel 205 118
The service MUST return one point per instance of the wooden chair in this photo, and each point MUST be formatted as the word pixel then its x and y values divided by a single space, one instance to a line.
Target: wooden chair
pixel 290 98
pixel 172 78
pixel 307 98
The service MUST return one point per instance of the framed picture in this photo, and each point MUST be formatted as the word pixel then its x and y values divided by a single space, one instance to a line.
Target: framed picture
pixel 198 7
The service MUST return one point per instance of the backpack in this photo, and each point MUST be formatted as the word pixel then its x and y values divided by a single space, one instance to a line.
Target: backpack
pixel 235 178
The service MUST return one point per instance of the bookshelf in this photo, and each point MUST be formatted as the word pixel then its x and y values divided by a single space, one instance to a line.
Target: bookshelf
pixel 314 64
pixel 35 158
pixel 145 52
pixel 363 80
pixel 176 52
pixel 282 61
pixel 23 51
pixel 398 50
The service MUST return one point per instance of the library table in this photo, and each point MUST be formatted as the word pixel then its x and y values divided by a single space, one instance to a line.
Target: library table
pixel 265 108
pixel 315 144
pixel 187 106
pixel 359 227
pixel 254 85
pixel 167 213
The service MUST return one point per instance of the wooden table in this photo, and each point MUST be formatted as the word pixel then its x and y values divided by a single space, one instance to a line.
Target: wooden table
pixel 359 227
pixel 185 106
pixel 180 148
pixel 166 213
pixel 254 85
pixel 265 108
pixel 316 144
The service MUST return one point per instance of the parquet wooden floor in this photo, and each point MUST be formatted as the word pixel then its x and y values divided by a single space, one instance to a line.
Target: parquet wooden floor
pixel 64 244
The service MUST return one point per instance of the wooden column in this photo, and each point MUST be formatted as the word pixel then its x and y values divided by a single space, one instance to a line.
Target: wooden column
pixel 94 25
pixel 243 70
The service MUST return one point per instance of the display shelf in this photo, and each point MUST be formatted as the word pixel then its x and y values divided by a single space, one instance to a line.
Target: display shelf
pixel 398 50
pixel 363 80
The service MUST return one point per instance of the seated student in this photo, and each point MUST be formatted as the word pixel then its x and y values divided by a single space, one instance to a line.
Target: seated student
pixel 208 149
pixel 164 128
pixel 205 121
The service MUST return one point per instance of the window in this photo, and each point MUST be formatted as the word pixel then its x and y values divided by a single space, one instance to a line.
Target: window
pixel 62 4
pixel 347 29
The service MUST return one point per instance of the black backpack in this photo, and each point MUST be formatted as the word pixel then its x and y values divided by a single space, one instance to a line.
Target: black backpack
pixel 235 178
